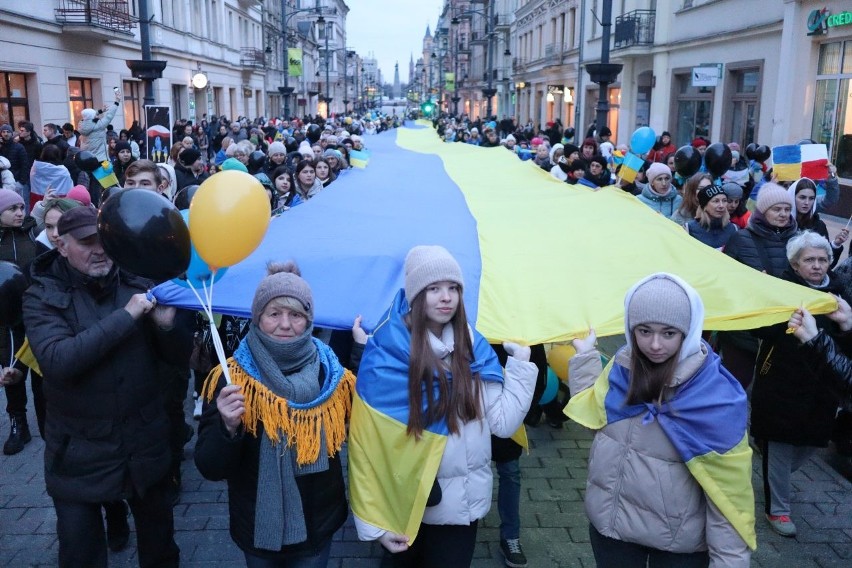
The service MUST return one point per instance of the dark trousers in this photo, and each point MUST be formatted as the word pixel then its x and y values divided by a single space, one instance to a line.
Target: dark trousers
pixel 613 553
pixel 82 539
pixel 318 560
pixel 16 399
pixel 437 546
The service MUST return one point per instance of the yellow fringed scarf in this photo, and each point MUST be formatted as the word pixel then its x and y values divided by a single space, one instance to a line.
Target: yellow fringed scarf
pixel 301 426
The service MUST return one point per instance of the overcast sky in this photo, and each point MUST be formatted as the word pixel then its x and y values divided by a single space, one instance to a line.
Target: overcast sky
pixel 392 29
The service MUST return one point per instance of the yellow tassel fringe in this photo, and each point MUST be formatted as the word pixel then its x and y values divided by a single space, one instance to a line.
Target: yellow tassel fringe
pixel 303 427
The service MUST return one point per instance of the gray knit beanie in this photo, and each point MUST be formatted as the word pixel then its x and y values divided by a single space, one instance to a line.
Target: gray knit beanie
pixel 733 190
pixel 276 148
pixel 427 264
pixel 283 279
pixel 660 300
pixel 771 194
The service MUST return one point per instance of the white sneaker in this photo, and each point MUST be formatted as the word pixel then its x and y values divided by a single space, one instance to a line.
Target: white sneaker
pixel 196 412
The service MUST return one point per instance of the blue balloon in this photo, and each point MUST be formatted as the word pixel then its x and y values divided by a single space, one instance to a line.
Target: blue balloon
pixel 643 140
pixel 198 273
pixel 551 388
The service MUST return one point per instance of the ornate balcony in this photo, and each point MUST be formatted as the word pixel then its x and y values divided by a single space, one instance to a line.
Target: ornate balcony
pixel 100 19
pixel 635 28
pixel 252 58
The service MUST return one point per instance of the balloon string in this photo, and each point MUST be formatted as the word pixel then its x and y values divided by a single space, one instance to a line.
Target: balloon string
pixel 12 359
pixel 207 306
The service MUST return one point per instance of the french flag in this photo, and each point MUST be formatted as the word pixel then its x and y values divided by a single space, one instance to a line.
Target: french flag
pixel 797 161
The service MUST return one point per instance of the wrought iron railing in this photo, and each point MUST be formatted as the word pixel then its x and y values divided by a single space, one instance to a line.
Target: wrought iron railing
pixel 635 28
pixel 111 15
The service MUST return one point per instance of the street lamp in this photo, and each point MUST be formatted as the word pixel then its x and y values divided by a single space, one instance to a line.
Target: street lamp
pixel 287 90
pixel 489 91
pixel 441 52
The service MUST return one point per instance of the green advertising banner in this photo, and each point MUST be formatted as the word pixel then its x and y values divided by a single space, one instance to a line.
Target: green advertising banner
pixel 294 57
pixel 450 82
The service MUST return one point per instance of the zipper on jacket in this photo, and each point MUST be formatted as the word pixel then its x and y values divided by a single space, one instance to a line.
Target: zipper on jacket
pixel 616 493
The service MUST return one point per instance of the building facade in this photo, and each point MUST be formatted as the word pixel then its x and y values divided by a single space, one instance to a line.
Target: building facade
pixel 60 56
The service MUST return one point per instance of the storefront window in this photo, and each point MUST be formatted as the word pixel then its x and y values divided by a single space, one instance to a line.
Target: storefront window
pixel 694 110
pixel 132 102
pixel 79 96
pixel 14 104
pixel 832 119
pixel 742 100
pixel 829 59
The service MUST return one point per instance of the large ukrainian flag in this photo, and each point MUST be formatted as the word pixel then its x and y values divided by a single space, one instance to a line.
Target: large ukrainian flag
pixel 706 422
pixel 390 472
pixel 543 261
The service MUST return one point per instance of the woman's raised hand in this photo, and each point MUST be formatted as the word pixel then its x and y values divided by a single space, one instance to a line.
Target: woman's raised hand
pixel 394 542
pixel 586 344
pixel 516 350
pixel 358 333
pixel 803 325
pixel 231 405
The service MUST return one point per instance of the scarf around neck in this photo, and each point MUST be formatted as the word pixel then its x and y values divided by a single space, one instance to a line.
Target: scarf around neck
pixel 290 369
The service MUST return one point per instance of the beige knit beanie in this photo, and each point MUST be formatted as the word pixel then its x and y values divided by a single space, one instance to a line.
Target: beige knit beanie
pixel 427 264
pixel 771 194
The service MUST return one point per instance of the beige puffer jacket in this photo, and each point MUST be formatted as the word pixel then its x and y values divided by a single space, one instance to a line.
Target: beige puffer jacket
pixel 640 491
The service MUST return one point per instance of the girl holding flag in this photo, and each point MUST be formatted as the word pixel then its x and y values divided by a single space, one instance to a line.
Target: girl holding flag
pixel 670 466
pixel 430 393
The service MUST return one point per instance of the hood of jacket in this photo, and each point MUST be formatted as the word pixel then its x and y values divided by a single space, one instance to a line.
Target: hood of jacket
pixel 692 341
pixel 652 195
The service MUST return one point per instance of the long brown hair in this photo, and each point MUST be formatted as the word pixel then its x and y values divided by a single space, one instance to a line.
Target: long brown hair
pixel 458 399
pixel 689 206
pixel 648 380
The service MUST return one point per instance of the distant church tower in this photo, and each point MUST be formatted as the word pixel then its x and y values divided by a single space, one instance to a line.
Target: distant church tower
pixel 397 92
pixel 411 77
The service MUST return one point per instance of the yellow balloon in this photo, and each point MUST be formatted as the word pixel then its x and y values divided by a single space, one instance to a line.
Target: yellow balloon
pixel 558 357
pixel 228 217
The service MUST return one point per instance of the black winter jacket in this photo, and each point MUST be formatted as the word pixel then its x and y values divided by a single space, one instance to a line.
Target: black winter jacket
pixel 746 245
pixel 237 459
pixel 18 246
pixel 830 363
pixel 107 434
pixel 790 402
pixel 218 457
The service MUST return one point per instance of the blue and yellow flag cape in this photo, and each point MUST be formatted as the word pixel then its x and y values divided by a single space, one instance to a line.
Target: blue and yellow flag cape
pixel 543 261
pixel 390 472
pixel 706 421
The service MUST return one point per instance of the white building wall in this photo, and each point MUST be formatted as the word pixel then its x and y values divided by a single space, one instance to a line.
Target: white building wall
pixel 35 43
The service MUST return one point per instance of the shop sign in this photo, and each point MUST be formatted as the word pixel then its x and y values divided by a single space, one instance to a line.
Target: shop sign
pixel 820 20
pixel 707 75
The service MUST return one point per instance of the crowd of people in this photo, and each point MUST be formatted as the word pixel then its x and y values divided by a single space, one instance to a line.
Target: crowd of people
pixel 112 367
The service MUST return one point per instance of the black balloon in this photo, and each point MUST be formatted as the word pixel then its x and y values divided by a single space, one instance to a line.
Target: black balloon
pixel 12 286
pixel 717 159
pixel 314 132
pixel 749 151
pixel 144 234
pixel 762 153
pixel 256 161
pixel 687 161
pixel 87 161
pixel 184 197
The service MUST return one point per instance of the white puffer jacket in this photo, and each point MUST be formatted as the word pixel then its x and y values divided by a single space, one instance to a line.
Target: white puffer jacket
pixel 7 179
pixel 464 474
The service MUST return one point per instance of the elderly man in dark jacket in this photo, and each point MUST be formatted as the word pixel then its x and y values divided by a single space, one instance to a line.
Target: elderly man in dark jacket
pixel 98 338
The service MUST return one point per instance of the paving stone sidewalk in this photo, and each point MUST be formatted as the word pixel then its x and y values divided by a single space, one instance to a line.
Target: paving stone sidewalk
pixel 554 529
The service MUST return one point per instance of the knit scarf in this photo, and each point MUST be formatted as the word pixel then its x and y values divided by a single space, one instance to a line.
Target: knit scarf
pixel 290 369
